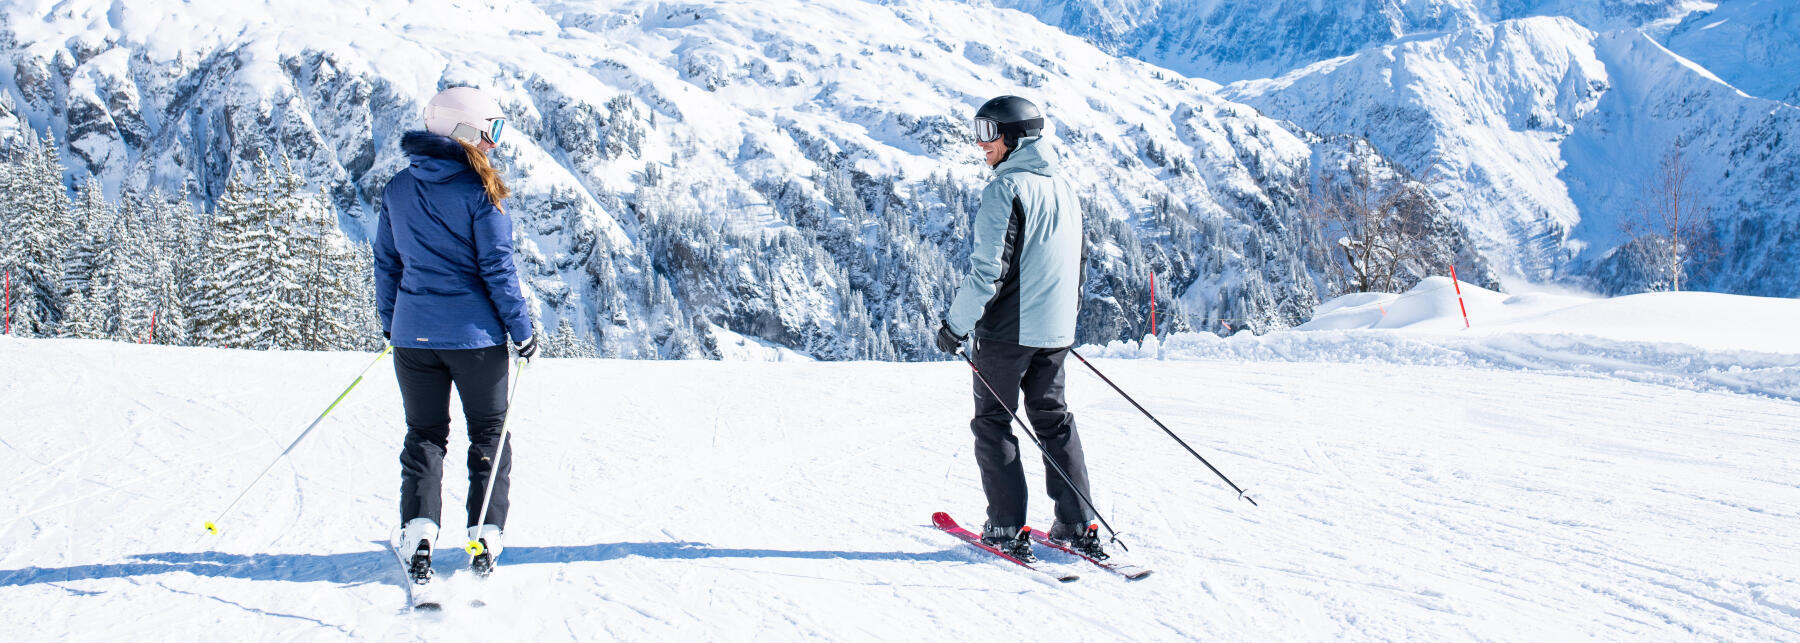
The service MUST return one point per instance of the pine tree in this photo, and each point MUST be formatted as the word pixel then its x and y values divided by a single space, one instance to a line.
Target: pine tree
pixel 36 234
pixel 365 324
pixel 327 293
pixel 567 342
pixel 177 264
pixel 78 318
pixel 139 252
pixel 250 277
pixel 94 265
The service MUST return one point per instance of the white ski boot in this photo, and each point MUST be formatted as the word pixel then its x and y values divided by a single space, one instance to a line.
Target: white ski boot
pixel 412 545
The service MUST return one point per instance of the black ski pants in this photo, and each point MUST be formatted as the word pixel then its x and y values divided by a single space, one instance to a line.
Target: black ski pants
pixel 1037 373
pixel 426 376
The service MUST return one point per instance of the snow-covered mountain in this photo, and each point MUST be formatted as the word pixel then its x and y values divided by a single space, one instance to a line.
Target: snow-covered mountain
pixel 1542 135
pixel 1506 106
pixel 695 172
pixel 1752 44
pixel 1228 41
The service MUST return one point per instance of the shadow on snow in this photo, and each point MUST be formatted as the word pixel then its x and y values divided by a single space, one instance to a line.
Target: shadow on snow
pixel 379 565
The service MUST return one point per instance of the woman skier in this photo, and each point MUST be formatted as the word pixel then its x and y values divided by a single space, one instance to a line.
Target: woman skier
pixel 449 297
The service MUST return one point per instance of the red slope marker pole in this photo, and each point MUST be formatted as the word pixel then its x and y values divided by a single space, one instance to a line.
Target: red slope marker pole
pixel 9 302
pixel 152 336
pixel 1459 298
pixel 1153 304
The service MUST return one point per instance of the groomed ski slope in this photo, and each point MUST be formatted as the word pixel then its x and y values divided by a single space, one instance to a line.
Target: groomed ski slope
pixel 789 500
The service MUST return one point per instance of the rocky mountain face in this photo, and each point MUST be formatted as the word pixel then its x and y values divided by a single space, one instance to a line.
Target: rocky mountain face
pixel 724 179
pixel 1538 123
pixel 1230 41
pixel 1544 136
pixel 1752 44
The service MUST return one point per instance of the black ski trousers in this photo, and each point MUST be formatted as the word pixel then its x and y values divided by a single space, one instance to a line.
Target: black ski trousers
pixel 1038 373
pixel 426 375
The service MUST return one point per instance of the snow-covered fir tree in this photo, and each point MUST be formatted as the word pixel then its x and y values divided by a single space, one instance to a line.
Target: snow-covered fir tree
pixel 249 296
pixel 567 342
pixel 329 286
pixel 37 226
pixel 94 267
pixel 365 323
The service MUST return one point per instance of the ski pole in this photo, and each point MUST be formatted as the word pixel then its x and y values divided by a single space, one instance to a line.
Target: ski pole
pixel 475 547
pixel 1040 445
pixel 1159 424
pixel 212 526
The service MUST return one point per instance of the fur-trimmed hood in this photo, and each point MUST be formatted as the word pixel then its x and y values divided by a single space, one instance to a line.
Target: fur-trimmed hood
pixel 435 158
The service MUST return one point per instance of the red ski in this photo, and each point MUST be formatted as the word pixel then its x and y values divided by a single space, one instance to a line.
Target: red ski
pixel 1130 572
pixel 943 522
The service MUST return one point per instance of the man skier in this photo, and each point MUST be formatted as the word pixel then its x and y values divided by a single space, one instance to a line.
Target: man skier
pixel 1019 303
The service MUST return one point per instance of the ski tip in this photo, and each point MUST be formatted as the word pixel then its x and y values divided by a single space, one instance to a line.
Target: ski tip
pixel 1139 575
pixel 942 520
pixel 1070 578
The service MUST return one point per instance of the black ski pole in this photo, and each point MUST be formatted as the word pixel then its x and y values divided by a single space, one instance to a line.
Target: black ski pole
pixel 1040 445
pixel 1159 424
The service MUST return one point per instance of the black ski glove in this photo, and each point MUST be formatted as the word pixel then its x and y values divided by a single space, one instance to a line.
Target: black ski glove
pixel 527 349
pixel 947 340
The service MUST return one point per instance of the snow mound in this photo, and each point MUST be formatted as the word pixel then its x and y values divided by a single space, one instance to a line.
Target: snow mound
pixel 1694 341
pixel 1705 320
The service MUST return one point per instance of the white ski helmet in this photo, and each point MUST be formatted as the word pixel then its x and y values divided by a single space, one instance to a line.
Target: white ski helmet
pixel 465 114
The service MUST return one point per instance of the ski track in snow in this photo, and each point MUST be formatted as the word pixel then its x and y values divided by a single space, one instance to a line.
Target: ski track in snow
pixel 737 501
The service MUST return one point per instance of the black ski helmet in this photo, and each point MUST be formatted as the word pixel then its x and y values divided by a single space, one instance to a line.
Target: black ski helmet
pixel 1012 118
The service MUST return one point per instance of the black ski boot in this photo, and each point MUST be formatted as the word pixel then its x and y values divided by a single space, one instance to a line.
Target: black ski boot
pixel 418 568
pixel 482 564
pixel 1012 541
pixel 489 537
pixel 1081 538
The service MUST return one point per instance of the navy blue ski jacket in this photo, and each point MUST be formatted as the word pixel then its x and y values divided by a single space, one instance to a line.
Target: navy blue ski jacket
pixel 444 275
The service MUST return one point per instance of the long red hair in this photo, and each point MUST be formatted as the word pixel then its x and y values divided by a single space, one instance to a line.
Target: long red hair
pixel 490 177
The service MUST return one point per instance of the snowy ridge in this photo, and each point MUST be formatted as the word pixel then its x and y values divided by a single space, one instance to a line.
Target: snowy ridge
pixel 1480 112
pixel 1752 44
pixel 1541 134
pixel 1232 41
pixel 657 500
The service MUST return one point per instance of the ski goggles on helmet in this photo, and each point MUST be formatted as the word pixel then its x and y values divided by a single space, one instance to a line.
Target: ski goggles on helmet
pixel 987 130
pixel 491 136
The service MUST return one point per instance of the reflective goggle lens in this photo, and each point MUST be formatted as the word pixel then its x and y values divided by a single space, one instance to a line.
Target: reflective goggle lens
pixel 986 130
pixel 496 127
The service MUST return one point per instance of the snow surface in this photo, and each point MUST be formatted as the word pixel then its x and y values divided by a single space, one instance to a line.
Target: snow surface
pixel 1405 492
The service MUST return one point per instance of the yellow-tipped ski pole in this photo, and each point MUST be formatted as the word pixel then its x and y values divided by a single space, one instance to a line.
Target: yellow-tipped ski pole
pixel 475 548
pixel 212 526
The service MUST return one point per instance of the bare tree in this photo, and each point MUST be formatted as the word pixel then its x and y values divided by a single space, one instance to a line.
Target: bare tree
pixel 1672 227
pixel 1382 235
